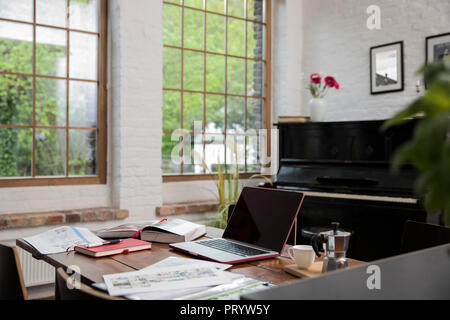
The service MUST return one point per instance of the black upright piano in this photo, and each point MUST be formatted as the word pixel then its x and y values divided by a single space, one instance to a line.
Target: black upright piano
pixel 344 170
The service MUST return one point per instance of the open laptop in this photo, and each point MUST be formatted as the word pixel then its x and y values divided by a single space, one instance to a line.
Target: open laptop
pixel 258 228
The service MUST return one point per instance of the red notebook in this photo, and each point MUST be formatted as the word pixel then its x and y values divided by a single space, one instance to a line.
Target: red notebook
pixel 127 245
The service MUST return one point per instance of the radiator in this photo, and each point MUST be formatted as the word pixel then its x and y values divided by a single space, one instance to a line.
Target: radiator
pixel 35 272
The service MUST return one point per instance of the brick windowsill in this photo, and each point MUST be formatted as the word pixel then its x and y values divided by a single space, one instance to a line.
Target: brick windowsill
pixel 32 220
pixel 186 208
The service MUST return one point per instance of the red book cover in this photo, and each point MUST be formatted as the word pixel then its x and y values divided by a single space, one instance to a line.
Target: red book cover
pixel 125 246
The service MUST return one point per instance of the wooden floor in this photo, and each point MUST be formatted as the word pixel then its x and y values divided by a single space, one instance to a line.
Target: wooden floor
pixel 44 292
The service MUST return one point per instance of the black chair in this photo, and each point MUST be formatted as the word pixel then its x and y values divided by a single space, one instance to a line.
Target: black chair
pixel 12 286
pixel 80 291
pixel 419 236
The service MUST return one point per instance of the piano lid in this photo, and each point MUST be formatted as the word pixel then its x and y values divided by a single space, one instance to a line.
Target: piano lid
pixel 346 178
pixel 344 157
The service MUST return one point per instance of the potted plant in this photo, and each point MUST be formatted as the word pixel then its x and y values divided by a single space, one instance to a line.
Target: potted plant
pixel 228 189
pixel 429 149
pixel 318 90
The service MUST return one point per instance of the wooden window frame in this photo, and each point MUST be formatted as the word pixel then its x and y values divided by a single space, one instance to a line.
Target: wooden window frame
pixel 101 176
pixel 267 83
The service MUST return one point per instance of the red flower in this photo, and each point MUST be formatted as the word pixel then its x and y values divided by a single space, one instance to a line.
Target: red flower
pixel 315 78
pixel 331 82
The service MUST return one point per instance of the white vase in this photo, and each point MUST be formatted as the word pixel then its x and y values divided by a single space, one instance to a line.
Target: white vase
pixel 318 108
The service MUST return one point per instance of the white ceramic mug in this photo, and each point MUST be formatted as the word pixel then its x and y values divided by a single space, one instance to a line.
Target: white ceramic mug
pixel 303 256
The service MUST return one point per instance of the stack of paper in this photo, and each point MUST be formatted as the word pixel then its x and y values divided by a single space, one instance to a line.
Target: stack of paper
pixel 180 278
pixel 172 277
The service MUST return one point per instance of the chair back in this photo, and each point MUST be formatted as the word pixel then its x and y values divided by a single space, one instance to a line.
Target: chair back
pixel 12 286
pixel 419 236
pixel 79 290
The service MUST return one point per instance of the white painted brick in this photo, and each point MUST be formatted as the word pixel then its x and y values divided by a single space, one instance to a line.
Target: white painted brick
pixel 337 42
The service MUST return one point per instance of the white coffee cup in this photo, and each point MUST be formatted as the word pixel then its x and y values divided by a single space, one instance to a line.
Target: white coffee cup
pixel 303 256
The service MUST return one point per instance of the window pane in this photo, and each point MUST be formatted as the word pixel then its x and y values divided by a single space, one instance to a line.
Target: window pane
pixel 83 56
pixel 194 3
pixel 215 113
pixel 215 33
pixel 255 78
pixel 253 163
pixel 193 70
pixel 16 147
pixel 236 8
pixel 256 10
pixel 236 115
pixel 168 166
pixel 84 15
pixel 193 155
pixel 215 73
pixel 50 152
pixel 172 68
pixel 51 102
pixel 83 104
pixel 236 37
pixel 255 111
pixel 82 152
pixel 235 152
pixel 215 6
pixel 236 76
pixel 17 10
pixel 255 36
pixel 172 25
pixel 51 12
pixel 16 100
pixel 171 110
pixel 16 47
pixel 193 112
pixel 51 52
pixel 193 29
pixel 214 151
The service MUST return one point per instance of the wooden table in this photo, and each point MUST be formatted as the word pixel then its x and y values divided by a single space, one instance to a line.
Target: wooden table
pixel 92 269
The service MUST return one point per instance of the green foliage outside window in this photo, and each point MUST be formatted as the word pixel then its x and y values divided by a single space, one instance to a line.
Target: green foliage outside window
pixel 16 108
pixel 214 81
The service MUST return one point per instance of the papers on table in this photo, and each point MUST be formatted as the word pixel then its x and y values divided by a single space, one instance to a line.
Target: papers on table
pixel 187 276
pixel 229 291
pixel 175 261
pixel 234 285
pixel 62 239
pixel 168 294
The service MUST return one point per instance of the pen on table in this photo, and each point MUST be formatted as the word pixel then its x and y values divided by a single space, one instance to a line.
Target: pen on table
pixel 103 244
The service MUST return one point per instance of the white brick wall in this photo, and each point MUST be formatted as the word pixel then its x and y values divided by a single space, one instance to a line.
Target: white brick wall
pixel 287 57
pixel 137 105
pixel 336 41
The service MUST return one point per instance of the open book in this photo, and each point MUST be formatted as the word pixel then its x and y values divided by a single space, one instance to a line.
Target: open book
pixel 164 231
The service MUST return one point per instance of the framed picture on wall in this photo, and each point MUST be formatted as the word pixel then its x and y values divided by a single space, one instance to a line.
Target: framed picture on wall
pixel 437 47
pixel 386 68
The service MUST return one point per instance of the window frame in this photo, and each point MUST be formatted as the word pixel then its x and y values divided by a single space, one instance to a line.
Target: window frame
pixel 101 176
pixel 266 112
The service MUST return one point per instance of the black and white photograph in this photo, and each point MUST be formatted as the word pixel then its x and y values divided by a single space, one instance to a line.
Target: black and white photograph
pixel 386 68
pixel 437 47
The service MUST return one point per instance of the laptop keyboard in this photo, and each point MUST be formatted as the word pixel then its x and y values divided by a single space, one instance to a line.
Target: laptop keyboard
pixel 231 247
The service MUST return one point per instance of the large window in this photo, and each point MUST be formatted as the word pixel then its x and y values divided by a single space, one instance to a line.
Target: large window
pixel 52 92
pixel 215 90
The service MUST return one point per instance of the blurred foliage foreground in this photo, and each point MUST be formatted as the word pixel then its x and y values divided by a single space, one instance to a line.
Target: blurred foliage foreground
pixel 429 149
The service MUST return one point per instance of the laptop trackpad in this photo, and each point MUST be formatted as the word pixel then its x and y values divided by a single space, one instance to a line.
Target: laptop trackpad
pixel 210 253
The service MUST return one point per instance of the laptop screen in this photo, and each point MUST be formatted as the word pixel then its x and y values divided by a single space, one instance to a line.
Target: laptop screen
pixel 264 217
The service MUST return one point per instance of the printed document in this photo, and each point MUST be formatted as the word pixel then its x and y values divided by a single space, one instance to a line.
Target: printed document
pixel 62 239
pixel 191 275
